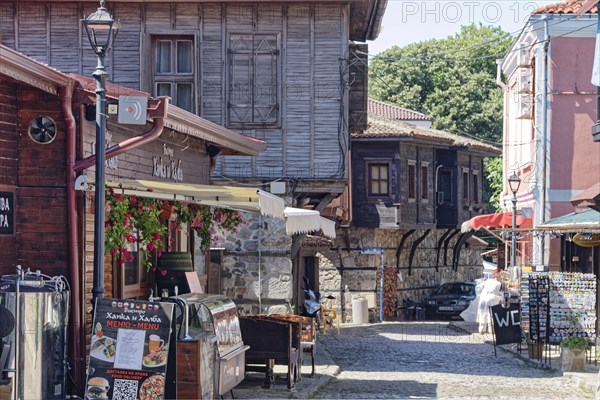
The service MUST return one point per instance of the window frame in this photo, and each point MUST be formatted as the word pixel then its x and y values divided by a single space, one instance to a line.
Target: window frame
pixel 466 192
pixel 424 182
pixel 380 162
pixel 411 180
pixel 255 86
pixel 174 78
pixel 475 192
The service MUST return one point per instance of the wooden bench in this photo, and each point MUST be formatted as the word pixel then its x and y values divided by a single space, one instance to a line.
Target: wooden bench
pixel 271 342
pixel 308 335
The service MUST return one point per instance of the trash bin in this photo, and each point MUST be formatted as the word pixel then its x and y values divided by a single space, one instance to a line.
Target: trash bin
pixel 360 310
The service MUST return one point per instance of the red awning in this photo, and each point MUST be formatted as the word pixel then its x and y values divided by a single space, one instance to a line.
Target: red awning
pixel 498 220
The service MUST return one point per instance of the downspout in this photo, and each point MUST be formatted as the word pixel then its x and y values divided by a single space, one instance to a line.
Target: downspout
pixel 157 111
pixel 545 135
pixel 66 94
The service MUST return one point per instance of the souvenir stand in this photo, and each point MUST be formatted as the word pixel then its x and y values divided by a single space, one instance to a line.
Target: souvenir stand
pixel 557 305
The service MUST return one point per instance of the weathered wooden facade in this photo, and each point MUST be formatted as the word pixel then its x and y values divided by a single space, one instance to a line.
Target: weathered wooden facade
pixel 47 131
pixel 411 188
pixel 284 72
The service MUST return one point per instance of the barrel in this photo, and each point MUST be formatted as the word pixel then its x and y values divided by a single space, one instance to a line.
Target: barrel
pixel 176 264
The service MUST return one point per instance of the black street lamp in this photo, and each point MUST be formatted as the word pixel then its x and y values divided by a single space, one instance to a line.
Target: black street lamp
pixel 514 182
pixel 102 30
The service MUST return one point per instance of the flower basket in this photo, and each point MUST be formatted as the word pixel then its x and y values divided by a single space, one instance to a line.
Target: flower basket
pixel 572 353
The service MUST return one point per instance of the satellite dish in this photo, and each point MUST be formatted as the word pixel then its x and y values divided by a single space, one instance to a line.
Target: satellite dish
pixel 42 130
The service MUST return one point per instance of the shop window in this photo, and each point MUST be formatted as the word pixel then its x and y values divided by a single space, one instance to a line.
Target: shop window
pixel 133 279
pixel 412 180
pixel 174 70
pixel 424 182
pixel 378 179
pixel 445 187
pixel 253 82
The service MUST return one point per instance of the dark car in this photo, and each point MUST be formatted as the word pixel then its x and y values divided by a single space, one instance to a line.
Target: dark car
pixel 450 299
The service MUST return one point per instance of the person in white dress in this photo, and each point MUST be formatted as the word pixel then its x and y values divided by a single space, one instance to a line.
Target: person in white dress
pixel 491 295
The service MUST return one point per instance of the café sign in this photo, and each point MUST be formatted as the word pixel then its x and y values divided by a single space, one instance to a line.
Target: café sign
pixel 7 213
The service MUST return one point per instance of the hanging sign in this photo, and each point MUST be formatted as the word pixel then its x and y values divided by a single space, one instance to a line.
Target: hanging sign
pixel 507 323
pixel 586 239
pixel 129 350
pixel 7 213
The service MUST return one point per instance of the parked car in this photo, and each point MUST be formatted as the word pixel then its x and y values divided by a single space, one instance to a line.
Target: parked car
pixel 450 299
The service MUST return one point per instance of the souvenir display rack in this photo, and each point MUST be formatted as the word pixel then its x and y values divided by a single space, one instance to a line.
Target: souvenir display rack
pixel 535 308
pixel 572 306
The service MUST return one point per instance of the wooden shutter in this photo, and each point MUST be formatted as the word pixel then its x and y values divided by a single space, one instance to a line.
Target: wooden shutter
pixel 253 79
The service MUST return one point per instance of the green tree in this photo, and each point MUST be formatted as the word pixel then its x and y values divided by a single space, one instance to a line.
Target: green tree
pixel 452 79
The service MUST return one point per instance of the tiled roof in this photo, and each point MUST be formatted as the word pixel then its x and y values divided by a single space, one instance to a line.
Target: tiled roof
pixel 566 7
pixel 392 111
pixel 379 128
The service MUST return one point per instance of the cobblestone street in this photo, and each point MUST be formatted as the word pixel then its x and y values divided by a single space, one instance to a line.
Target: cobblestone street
pixel 433 360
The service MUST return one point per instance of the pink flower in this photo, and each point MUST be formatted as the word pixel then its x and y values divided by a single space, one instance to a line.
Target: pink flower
pixel 119 197
pixel 150 246
pixel 115 251
pixel 155 236
pixel 139 211
pixel 153 269
pixel 170 247
pixel 133 199
pixel 159 254
pixel 163 273
pixel 127 215
pixel 125 222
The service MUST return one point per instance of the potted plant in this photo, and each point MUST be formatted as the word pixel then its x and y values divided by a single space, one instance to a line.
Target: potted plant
pixel 572 353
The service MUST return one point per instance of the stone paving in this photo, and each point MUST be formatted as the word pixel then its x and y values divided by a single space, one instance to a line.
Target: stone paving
pixel 433 360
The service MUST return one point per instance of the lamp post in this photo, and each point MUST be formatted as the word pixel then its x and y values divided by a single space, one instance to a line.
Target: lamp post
pixel 101 29
pixel 514 182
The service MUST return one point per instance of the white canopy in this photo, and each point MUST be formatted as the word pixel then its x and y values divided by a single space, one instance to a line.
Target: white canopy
pixel 238 198
pixel 298 220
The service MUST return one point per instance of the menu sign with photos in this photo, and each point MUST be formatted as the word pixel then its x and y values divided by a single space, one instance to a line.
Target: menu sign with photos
pixel 129 350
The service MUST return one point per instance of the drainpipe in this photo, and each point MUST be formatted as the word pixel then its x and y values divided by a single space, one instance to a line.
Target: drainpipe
pixel 545 134
pixel 157 111
pixel 66 94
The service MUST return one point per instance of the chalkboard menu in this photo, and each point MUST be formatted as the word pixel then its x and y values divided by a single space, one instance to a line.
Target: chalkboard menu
pixel 129 350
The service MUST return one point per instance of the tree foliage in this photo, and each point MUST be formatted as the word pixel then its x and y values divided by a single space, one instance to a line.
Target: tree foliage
pixel 452 79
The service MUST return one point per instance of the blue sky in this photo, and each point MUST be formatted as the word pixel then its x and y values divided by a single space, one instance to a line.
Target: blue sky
pixel 407 21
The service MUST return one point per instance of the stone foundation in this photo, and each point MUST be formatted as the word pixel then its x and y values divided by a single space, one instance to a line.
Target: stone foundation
pixel 345 272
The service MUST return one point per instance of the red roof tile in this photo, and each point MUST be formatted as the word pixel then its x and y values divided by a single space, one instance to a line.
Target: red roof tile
pixel 566 7
pixel 391 111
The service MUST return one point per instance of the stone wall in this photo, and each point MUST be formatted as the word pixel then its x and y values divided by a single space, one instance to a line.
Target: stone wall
pixel 344 272
pixel 257 264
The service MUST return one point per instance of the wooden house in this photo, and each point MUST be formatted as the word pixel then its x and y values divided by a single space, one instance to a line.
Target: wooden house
pixel 288 73
pixel 411 189
pixel 47 136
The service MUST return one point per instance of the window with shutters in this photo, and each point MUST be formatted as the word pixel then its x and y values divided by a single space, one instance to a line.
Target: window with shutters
pixel 174 70
pixel 253 80
pixel 378 179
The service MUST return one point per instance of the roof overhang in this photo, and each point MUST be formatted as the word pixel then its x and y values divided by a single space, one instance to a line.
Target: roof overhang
pixel 578 221
pixel 230 142
pixel 24 69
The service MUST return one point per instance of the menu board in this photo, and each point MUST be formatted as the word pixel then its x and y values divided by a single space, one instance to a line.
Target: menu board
pixel 129 350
